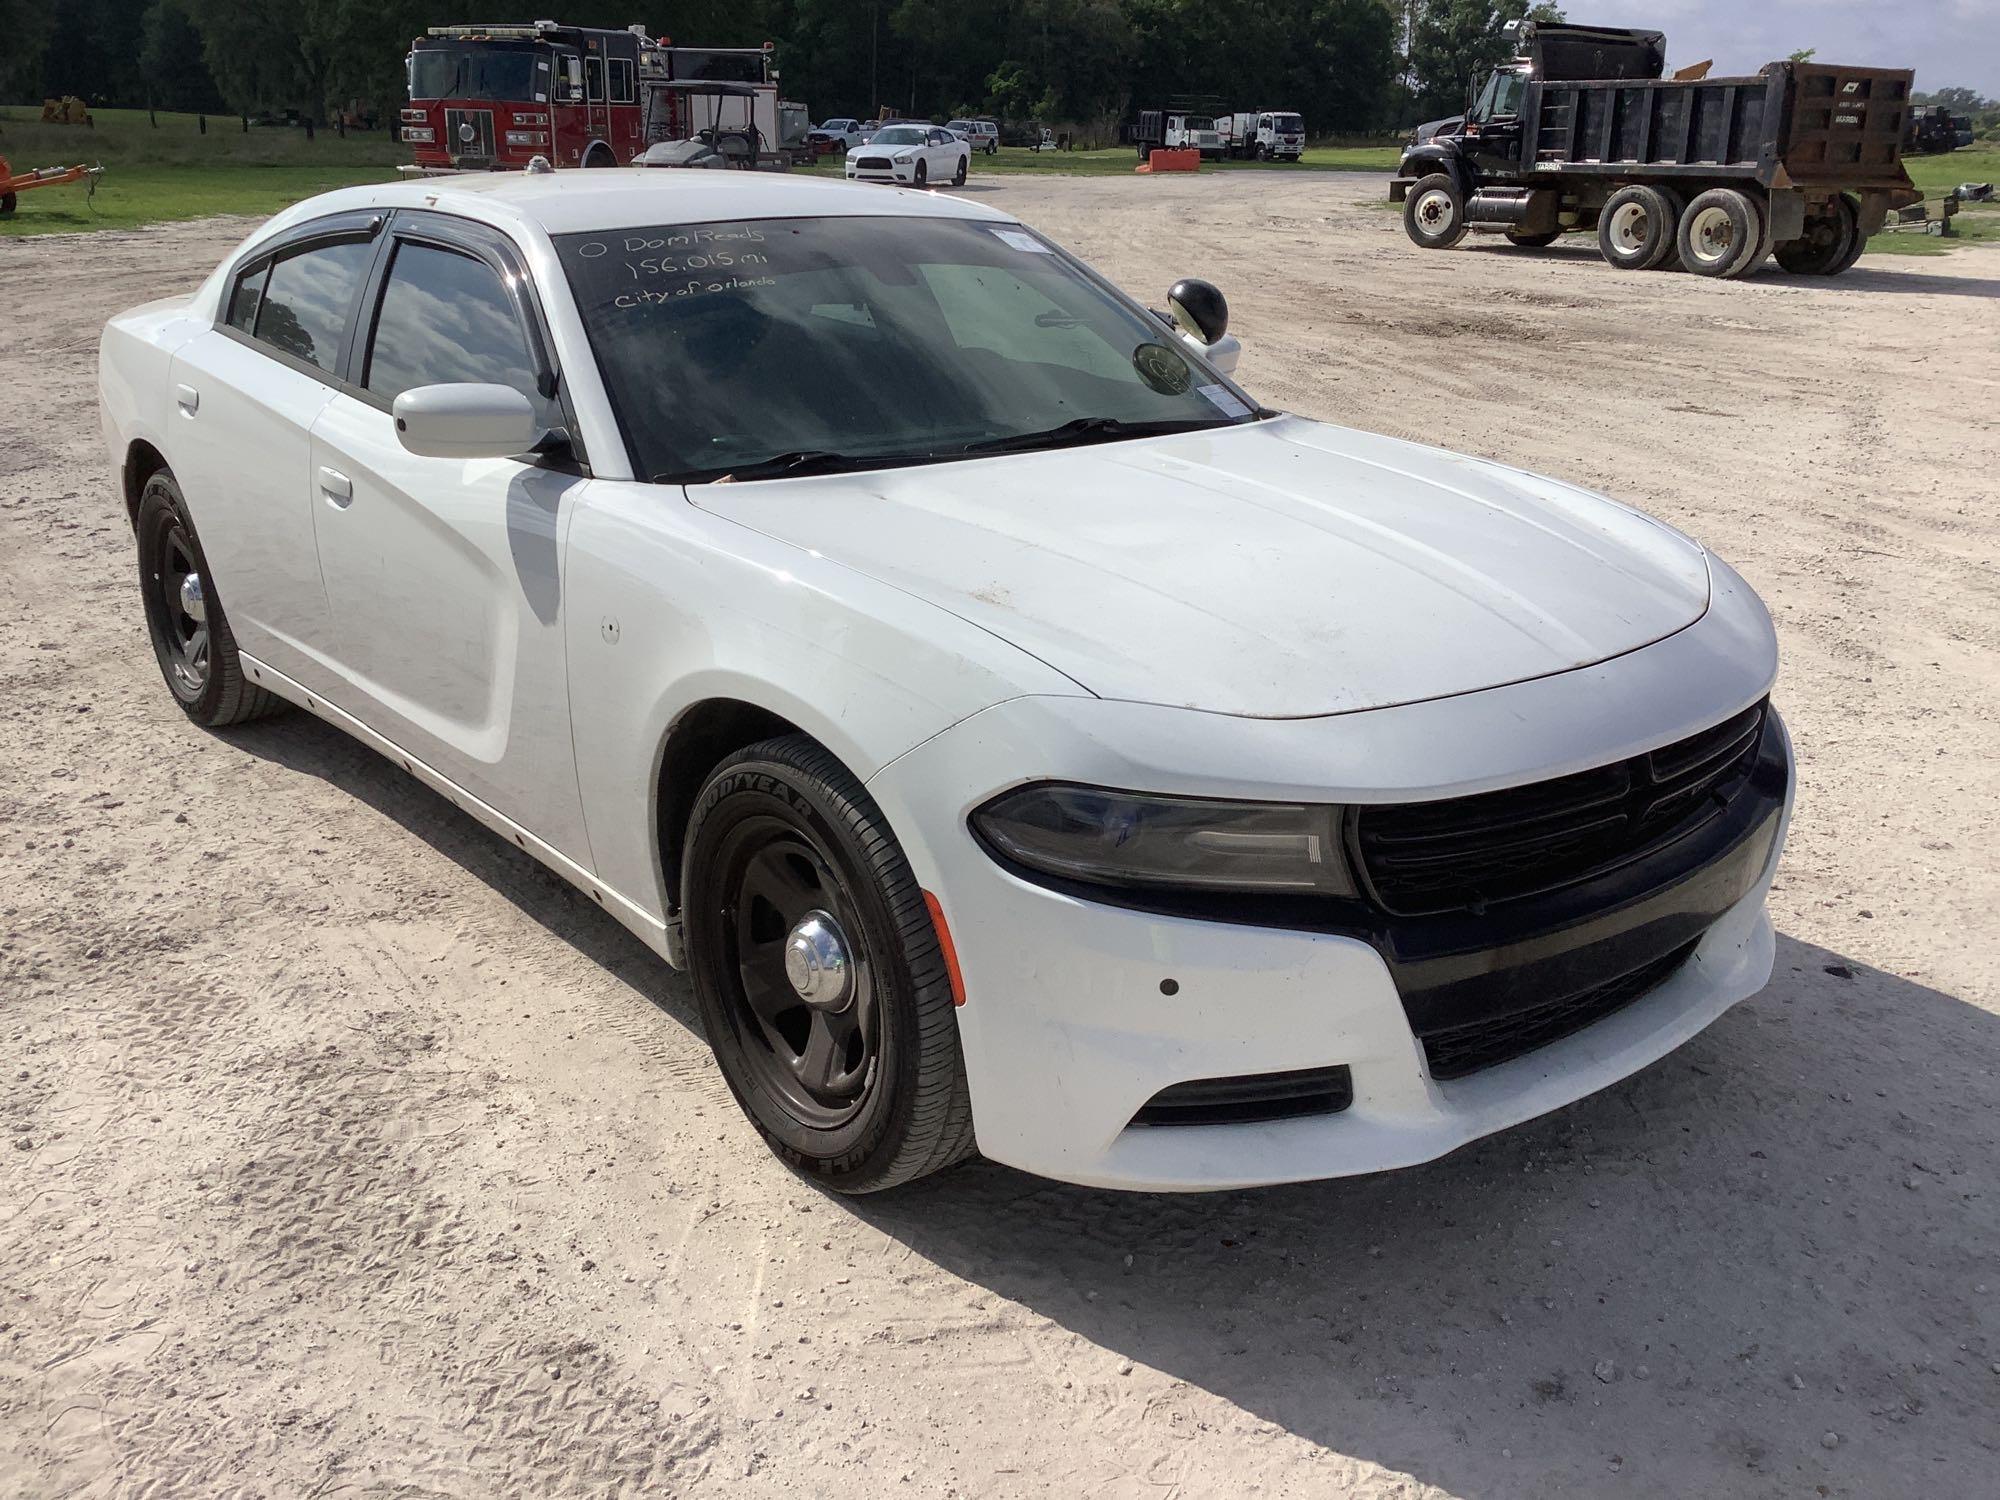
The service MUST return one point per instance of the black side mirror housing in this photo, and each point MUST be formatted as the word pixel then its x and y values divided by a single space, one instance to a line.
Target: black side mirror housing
pixel 1199 308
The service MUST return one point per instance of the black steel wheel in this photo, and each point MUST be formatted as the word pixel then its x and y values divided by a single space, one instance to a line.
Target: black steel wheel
pixel 1434 212
pixel 191 636
pixel 921 178
pixel 1828 238
pixel 819 972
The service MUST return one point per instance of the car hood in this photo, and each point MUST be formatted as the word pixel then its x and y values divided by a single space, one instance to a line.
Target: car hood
pixel 1278 569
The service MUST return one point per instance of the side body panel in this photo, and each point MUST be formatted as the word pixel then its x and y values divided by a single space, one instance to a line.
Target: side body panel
pixel 444 579
pixel 669 606
pixel 240 450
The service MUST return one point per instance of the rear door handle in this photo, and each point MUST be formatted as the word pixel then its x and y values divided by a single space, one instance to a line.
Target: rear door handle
pixel 336 486
pixel 188 397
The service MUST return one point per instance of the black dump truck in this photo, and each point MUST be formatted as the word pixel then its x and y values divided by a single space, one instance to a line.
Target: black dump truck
pixel 1581 132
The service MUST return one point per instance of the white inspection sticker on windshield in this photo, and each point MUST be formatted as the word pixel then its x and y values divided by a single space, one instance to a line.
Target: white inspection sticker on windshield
pixel 1022 241
pixel 1224 400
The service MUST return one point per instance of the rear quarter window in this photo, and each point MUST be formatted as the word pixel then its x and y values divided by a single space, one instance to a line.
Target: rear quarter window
pixel 307 299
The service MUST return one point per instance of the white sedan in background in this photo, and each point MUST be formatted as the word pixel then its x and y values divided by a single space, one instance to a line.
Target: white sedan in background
pixel 1047 748
pixel 913 155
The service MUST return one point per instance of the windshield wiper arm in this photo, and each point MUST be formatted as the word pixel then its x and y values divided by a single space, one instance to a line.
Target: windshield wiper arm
pixel 1087 430
pixel 798 463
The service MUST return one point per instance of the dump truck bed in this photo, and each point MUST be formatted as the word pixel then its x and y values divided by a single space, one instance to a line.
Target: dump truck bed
pixel 1791 125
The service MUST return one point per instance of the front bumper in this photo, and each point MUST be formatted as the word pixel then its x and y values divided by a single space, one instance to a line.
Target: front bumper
pixel 1078 1013
pixel 903 171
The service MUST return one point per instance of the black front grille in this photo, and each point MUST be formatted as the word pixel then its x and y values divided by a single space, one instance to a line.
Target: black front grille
pixel 1455 1051
pixel 468 136
pixel 1465 853
pixel 1242 1101
pixel 871 164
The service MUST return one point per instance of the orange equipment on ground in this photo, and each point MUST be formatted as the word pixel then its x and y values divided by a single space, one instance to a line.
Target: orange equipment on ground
pixel 10 185
pixel 1180 159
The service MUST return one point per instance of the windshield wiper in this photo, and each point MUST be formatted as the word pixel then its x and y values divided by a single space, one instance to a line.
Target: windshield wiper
pixel 1088 430
pixel 796 464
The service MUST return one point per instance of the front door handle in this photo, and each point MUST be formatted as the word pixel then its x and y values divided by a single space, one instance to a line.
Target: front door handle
pixel 188 398
pixel 337 487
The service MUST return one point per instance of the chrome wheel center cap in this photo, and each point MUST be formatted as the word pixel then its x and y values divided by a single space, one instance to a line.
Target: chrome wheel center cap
pixel 193 604
pixel 816 962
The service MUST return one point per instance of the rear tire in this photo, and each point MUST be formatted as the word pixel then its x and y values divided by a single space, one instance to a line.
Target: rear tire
pixel 1857 241
pixel 1827 239
pixel 1720 233
pixel 191 637
pixel 1635 228
pixel 851 1072
pixel 1434 213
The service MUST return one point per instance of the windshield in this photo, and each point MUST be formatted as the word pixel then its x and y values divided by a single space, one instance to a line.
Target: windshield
pixel 901 135
pixel 1288 124
pixel 861 341
pixel 484 71
pixel 1200 122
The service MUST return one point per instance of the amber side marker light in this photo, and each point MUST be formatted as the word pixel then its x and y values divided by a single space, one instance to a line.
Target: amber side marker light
pixel 948 948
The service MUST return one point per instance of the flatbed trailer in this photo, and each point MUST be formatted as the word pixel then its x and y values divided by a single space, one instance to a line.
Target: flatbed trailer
pixel 1801 158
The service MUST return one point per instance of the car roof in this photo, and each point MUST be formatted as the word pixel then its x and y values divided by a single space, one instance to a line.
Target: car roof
pixel 581 199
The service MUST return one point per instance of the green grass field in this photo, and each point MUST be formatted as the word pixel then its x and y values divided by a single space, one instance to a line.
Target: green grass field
pixel 156 174
pixel 152 176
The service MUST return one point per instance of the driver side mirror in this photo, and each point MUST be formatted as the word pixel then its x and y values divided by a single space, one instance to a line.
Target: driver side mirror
pixel 466 421
pixel 1200 315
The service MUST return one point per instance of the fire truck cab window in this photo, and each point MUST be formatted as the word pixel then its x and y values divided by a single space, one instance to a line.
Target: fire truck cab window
pixel 485 71
pixel 307 300
pixel 594 71
pixel 445 319
pixel 621 82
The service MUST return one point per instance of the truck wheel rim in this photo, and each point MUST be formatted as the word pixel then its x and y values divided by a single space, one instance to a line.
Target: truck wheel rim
pixel 1436 211
pixel 1629 227
pixel 1712 236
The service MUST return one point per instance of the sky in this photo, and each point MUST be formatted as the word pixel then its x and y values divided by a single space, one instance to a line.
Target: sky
pixel 1947 41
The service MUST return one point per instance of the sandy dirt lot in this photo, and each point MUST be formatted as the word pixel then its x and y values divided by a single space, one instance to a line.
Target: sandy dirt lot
pixel 343 1151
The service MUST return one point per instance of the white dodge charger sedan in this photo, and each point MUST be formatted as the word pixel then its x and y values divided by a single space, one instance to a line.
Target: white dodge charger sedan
pixel 912 155
pixel 1047 750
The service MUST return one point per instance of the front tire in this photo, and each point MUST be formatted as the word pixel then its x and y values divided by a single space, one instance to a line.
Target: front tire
pixel 191 637
pixel 964 165
pixel 1434 213
pixel 922 176
pixel 819 974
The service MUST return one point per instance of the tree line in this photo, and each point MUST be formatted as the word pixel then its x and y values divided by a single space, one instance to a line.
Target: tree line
pixel 1350 66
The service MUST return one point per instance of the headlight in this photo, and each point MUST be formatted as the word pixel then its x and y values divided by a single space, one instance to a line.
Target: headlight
pixel 419 133
pixel 1128 839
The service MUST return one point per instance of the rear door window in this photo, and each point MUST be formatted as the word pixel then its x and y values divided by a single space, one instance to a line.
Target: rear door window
pixel 307 300
pixel 446 319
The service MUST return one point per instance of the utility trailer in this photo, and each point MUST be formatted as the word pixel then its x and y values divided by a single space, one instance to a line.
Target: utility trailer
pixel 1581 132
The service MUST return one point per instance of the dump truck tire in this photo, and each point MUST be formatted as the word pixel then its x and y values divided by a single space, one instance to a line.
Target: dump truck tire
pixel 1434 213
pixel 1828 246
pixel 1635 228
pixel 1719 233
pixel 1856 240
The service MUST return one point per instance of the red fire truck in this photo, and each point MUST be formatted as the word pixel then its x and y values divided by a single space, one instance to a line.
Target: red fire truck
pixel 491 97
